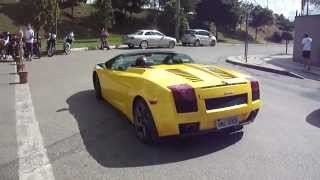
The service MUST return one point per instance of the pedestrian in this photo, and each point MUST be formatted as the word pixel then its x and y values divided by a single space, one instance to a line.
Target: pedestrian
pixel 104 39
pixel 306 51
pixel 29 38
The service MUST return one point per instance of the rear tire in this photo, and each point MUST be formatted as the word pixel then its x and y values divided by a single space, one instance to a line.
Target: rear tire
pixel 172 44
pixel 50 51
pixel 143 122
pixel 67 49
pixel 197 43
pixel 131 46
pixel 97 86
pixel 213 43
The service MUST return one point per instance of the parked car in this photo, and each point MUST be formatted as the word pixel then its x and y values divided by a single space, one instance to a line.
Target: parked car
pixel 149 38
pixel 164 93
pixel 198 37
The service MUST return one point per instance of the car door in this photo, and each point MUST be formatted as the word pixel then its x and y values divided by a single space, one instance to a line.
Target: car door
pixel 160 39
pixel 150 38
pixel 207 37
pixel 204 37
pixel 114 87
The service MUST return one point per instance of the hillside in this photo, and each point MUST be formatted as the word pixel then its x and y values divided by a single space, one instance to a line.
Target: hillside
pixel 11 17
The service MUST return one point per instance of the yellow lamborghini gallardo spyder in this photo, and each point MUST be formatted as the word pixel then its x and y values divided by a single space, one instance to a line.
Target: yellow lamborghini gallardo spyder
pixel 167 94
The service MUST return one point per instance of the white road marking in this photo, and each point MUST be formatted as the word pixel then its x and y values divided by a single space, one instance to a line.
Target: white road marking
pixel 34 163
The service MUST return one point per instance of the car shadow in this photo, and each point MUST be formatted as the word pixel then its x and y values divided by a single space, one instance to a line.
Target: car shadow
pixel 314 118
pixel 110 138
pixel 295 67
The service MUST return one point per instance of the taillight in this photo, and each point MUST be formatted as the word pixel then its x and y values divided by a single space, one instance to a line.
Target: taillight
pixel 255 90
pixel 185 98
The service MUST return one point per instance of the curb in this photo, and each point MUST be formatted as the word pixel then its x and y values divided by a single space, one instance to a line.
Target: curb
pixel 266 69
pixel 89 49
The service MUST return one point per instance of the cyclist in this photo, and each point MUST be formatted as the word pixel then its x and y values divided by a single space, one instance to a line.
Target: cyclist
pixel 69 38
pixel 51 41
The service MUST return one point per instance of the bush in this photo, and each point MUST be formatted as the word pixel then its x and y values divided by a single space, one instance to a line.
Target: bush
pixel 287 36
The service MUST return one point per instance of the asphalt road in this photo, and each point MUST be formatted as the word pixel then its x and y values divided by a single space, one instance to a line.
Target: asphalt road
pixel 86 139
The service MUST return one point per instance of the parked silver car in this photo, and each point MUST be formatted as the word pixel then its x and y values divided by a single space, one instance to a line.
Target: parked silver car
pixel 198 37
pixel 149 38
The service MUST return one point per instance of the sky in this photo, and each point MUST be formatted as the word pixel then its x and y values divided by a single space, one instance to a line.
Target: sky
pixel 286 7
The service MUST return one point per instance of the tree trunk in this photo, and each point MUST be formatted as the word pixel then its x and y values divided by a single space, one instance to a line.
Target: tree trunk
pixel 217 33
pixel 287 42
pixel 72 11
pixel 256 36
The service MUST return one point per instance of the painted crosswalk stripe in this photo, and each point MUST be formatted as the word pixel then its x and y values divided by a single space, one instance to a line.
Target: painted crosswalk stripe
pixel 34 163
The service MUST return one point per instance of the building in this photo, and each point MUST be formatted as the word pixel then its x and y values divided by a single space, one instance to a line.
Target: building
pixel 310 25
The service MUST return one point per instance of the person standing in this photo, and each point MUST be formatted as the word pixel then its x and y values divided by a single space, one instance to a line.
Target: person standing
pixel 104 39
pixel 29 37
pixel 306 51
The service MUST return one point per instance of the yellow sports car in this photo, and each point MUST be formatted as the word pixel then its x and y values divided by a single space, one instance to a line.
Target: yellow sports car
pixel 167 94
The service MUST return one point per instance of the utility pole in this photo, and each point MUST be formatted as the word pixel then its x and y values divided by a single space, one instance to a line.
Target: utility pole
pixel 56 16
pixel 177 19
pixel 246 45
pixel 307 7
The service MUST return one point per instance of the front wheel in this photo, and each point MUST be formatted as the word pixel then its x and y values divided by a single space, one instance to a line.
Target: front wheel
pixel 197 43
pixel 144 44
pixel 51 51
pixel 131 46
pixel 97 86
pixel 67 48
pixel 143 122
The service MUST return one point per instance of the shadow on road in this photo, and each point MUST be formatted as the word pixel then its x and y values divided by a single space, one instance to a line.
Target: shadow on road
pixel 295 67
pixel 110 138
pixel 314 118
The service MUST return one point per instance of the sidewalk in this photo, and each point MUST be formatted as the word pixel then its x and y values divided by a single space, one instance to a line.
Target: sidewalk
pixel 279 64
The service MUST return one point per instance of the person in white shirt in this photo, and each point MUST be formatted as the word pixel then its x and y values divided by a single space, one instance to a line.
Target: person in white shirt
pixel 306 51
pixel 29 37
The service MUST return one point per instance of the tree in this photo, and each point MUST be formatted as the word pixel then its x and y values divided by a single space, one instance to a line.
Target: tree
pixel 131 6
pixel 284 23
pixel 52 14
pixel 104 14
pixel 260 17
pixel 167 19
pixel 70 4
pixel 225 14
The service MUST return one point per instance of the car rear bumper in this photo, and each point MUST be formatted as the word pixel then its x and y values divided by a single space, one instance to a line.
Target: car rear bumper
pixel 188 40
pixel 203 122
pixel 133 42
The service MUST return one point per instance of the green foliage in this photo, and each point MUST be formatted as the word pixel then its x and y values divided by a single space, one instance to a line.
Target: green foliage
pixel 104 13
pixel 261 17
pixel 223 13
pixel 276 37
pixel 131 6
pixel 167 19
pixel 284 23
pixel 43 13
pixel 184 24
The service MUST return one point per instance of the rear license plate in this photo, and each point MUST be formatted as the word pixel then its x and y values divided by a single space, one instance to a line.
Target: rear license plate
pixel 227 122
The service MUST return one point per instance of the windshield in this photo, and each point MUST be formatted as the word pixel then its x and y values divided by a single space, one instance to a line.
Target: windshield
pixel 190 32
pixel 139 33
pixel 152 59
